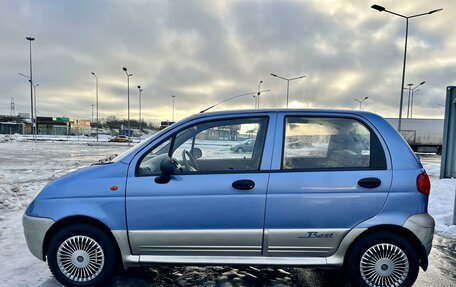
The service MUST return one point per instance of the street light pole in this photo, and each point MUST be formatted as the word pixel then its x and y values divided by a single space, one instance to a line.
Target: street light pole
pixel 258 95
pixel 288 82
pixel 383 9
pixel 96 92
pixel 92 113
pixel 411 102
pixel 173 96
pixel 140 91
pixel 30 39
pixel 361 103
pixel 413 93
pixel 36 114
pixel 408 104
pixel 128 96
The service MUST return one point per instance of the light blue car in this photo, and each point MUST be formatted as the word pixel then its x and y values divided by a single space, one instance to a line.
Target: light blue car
pixel 354 197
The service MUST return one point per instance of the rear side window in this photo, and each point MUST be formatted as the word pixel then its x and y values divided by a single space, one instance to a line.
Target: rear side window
pixel 330 143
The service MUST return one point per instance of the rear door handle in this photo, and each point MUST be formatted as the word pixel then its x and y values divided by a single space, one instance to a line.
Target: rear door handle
pixel 370 182
pixel 243 184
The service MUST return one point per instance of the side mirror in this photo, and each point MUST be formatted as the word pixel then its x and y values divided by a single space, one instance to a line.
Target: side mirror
pixel 197 153
pixel 167 169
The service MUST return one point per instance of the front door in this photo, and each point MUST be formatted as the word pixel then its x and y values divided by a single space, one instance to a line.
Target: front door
pixel 214 204
pixel 329 174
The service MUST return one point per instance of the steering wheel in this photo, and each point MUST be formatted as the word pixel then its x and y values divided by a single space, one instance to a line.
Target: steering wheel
pixel 190 163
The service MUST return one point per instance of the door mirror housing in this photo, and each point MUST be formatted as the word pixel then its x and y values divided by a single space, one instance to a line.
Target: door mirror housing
pixel 197 153
pixel 167 169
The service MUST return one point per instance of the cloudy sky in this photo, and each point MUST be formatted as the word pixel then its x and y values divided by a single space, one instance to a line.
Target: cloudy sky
pixel 205 51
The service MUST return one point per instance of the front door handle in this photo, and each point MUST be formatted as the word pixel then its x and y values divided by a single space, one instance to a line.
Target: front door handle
pixel 370 182
pixel 243 184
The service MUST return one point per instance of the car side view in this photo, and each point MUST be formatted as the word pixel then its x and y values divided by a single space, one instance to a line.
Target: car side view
pixel 119 139
pixel 245 146
pixel 320 188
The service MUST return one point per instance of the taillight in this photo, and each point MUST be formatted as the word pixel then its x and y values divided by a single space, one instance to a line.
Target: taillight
pixel 423 184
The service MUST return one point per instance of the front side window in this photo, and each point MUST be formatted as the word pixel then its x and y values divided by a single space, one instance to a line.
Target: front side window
pixel 323 143
pixel 150 163
pixel 217 146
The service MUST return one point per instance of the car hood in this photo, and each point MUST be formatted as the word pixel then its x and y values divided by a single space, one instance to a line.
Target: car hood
pixel 90 181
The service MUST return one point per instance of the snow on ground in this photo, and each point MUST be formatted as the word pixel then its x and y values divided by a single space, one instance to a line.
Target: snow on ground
pixel 25 167
pixel 441 200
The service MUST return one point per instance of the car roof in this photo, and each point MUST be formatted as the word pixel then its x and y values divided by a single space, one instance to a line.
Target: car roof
pixel 270 111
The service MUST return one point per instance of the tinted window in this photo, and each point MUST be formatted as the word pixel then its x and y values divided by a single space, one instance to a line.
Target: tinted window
pixel 319 143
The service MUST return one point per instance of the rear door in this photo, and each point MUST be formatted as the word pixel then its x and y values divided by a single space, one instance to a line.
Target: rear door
pixel 336 177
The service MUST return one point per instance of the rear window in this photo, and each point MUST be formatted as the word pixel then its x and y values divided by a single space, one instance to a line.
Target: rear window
pixel 330 143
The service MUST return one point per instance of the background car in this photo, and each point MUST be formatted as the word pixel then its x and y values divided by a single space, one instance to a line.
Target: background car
pixel 245 146
pixel 119 139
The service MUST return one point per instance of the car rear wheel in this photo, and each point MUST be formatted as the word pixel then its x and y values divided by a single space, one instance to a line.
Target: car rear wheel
pixel 382 260
pixel 81 255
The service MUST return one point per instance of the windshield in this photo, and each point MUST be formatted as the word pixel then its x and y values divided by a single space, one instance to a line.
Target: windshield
pixel 135 148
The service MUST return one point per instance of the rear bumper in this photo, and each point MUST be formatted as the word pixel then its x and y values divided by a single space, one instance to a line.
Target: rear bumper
pixel 422 225
pixel 35 229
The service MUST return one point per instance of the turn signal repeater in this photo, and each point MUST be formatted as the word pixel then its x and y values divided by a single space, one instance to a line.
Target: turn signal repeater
pixel 113 187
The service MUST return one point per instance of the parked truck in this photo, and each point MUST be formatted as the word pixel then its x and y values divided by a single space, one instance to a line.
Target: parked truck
pixel 423 135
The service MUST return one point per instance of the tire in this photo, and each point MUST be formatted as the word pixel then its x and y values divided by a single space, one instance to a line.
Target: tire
pixel 390 244
pixel 239 150
pixel 103 266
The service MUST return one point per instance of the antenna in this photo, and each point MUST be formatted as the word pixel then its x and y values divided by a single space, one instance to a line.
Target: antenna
pixel 13 109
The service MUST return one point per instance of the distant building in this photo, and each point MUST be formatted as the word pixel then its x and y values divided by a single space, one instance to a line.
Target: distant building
pixel 49 126
pixel 165 124
pixel 224 133
pixel 80 127
pixel 11 125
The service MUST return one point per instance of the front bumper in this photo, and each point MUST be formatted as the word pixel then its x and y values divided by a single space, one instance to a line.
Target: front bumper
pixel 35 229
pixel 422 225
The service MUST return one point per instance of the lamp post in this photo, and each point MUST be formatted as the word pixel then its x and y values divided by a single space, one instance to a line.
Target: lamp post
pixel 288 82
pixel 412 91
pixel 31 115
pixel 36 114
pixel 92 113
pixel 173 96
pixel 30 39
pixel 383 9
pixel 361 102
pixel 258 95
pixel 96 101
pixel 411 102
pixel 128 96
pixel 140 92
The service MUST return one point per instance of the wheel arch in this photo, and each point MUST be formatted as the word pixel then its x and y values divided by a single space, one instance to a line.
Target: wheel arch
pixel 80 219
pixel 396 229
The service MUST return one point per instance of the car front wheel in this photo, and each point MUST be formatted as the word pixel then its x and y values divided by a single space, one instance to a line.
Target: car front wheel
pixel 382 259
pixel 81 255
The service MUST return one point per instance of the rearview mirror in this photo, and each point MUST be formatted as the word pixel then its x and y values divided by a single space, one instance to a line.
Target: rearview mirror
pixel 167 168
